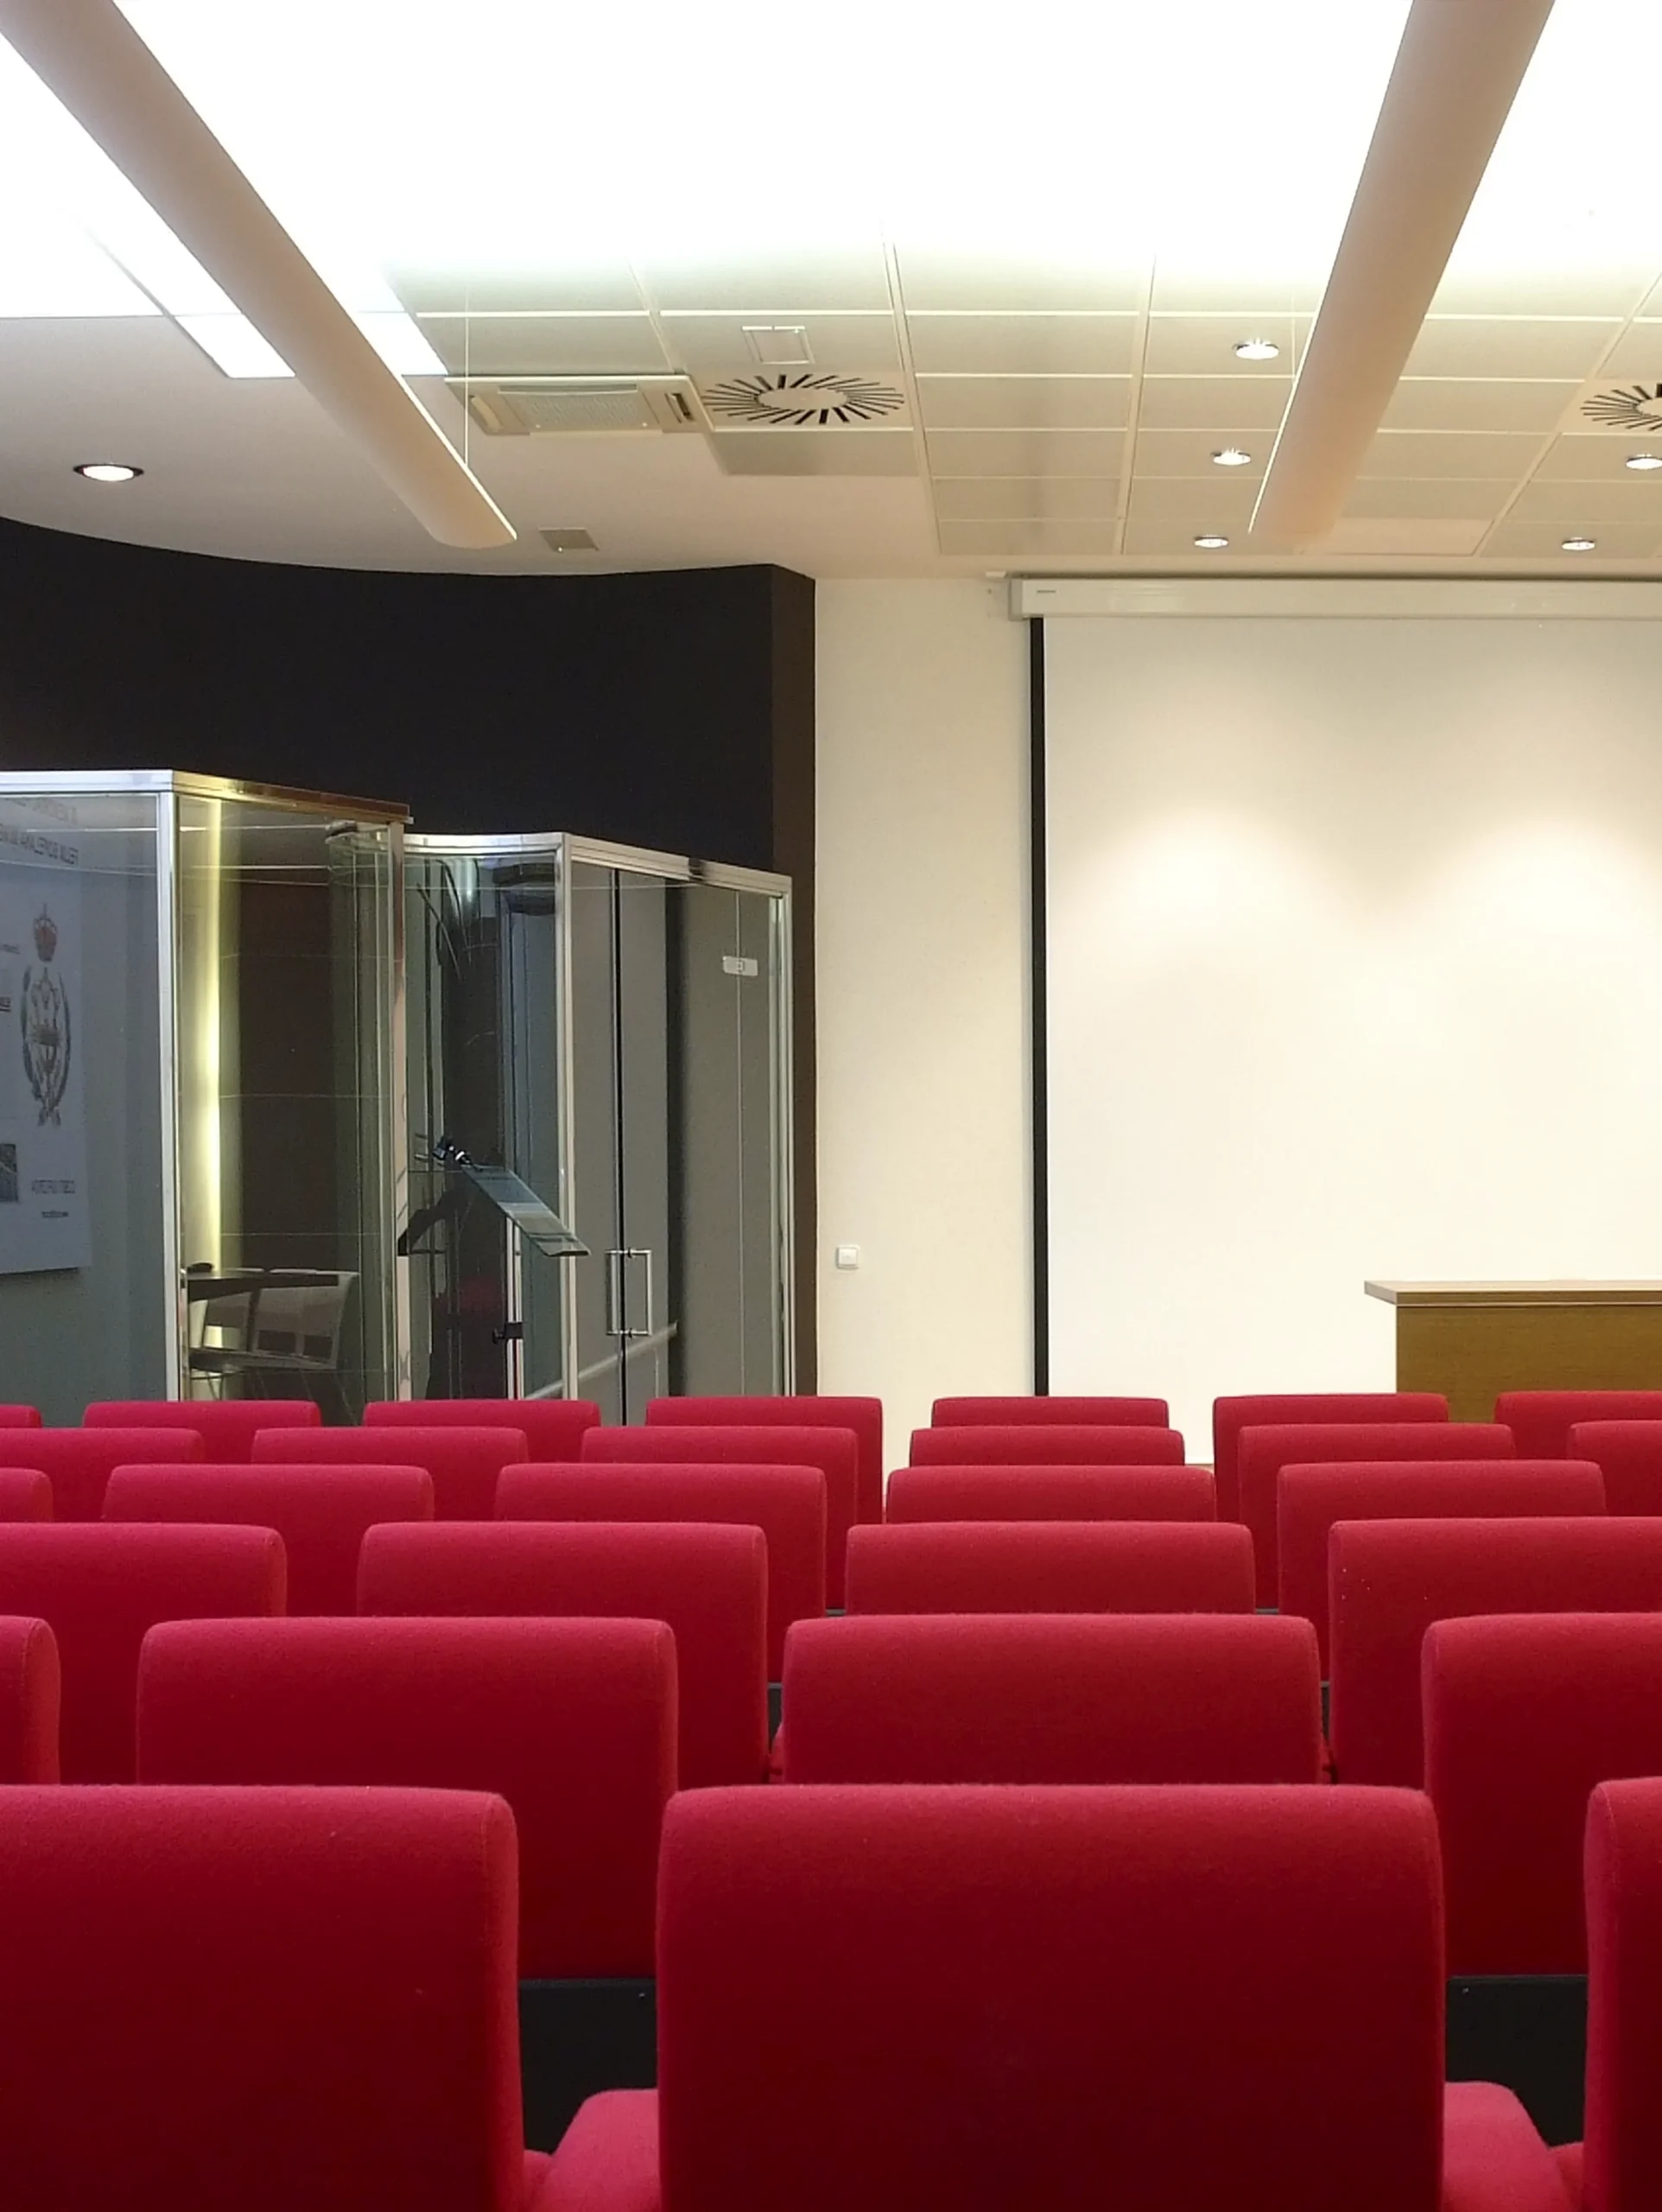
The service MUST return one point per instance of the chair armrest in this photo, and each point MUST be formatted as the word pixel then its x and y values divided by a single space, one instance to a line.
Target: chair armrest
pixel 607 2160
pixel 1493 2158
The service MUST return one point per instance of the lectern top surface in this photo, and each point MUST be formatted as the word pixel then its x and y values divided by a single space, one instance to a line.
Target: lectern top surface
pixel 1571 1292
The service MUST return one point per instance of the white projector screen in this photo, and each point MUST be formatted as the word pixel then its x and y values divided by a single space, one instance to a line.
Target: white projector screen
pixel 1354 969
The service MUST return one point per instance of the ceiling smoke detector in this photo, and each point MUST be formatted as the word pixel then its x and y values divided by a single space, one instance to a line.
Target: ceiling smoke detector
pixel 519 407
pixel 569 541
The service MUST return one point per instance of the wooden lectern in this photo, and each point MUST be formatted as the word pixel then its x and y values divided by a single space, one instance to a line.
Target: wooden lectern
pixel 1471 1340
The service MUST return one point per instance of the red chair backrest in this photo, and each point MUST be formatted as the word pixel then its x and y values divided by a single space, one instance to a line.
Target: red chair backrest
pixel 862 1416
pixel 464 1462
pixel 834 1451
pixel 227 1427
pixel 77 1461
pixel 1075 1493
pixel 30 1690
pixel 1072 1413
pixel 1045 1444
pixel 554 1429
pixel 1231 1416
pixel 572 1721
pixel 710 1584
pixel 100 1588
pixel 1261 1453
pixel 787 1503
pixel 1525 1714
pixel 1622 2150
pixel 1310 1499
pixel 320 1513
pixel 1628 1453
pixel 1052 1698
pixel 20 1417
pixel 1050 1567
pixel 1388 1580
pixel 1173 1996
pixel 260 1998
pixel 1542 1420
pixel 25 1494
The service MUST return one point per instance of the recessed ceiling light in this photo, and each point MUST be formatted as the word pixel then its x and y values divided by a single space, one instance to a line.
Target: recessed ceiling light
pixel 1231 457
pixel 107 471
pixel 1645 461
pixel 1579 544
pixel 1256 349
pixel 1211 544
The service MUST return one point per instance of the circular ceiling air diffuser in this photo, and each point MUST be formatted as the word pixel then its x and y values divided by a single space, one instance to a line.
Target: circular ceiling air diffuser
pixel 803 399
pixel 1628 407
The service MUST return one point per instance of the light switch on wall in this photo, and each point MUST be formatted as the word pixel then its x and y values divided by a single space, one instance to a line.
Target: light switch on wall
pixel 847 1255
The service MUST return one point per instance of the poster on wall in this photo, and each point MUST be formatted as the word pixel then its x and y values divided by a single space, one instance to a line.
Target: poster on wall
pixel 43 1218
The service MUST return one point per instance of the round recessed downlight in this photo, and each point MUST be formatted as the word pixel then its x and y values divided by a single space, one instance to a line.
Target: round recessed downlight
pixel 1231 457
pixel 1579 544
pixel 107 471
pixel 1211 543
pixel 1643 461
pixel 1256 349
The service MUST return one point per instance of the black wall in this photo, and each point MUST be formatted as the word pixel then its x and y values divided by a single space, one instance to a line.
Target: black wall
pixel 672 709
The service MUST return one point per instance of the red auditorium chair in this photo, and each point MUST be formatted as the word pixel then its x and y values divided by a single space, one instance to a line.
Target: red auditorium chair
pixel 1051 1494
pixel 1052 1698
pixel 1072 1413
pixel 25 1494
pixel 1388 1580
pixel 1628 1453
pixel 20 1417
pixel 1542 1420
pixel 572 1721
pixel 1041 1444
pixel 1261 1453
pixel 709 1584
pixel 77 1461
pixel 554 1429
pixel 320 1513
pixel 834 1453
pixel 227 1427
pixel 1052 2001
pixel 787 1503
pixel 100 1589
pixel 261 1999
pixel 1231 1416
pixel 1310 1499
pixel 861 1417
pixel 30 1687
pixel 463 1461
pixel 1050 1567
pixel 1617 2167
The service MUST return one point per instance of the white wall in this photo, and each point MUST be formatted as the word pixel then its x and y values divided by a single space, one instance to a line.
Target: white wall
pixel 921 926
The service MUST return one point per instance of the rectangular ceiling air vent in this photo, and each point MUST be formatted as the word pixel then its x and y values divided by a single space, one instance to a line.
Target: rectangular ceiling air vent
pixel 518 407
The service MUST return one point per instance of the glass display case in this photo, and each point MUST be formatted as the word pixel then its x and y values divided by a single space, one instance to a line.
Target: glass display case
pixel 611 1028
pixel 202 1137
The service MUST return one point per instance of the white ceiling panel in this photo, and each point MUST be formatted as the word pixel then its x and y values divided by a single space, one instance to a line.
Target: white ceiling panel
pixel 1637 352
pixel 1026 453
pixel 1188 453
pixel 1014 538
pixel 1515 345
pixel 1405 496
pixel 705 345
pixel 1203 504
pixel 1543 541
pixel 1244 281
pixel 982 280
pixel 581 285
pixel 1070 497
pixel 1477 403
pixel 1482 281
pixel 1171 535
pixel 1596 457
pixel 816 452
pixel 822 277
pixel 1428 455
pixel 1024 402
pixel 544 345
pixel 1440 540
pixel 1639 501
pixel 1204 344
pixel 1041 344
pixel 1214 403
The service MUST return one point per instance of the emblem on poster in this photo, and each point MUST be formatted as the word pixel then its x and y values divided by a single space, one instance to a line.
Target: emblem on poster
pixel 45 1016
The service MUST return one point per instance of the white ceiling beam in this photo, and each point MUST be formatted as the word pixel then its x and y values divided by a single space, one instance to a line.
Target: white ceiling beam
pixel 1456 76
pixel 92 59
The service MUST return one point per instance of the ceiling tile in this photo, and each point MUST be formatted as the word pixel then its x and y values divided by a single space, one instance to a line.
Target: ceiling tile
pixel 1636 353
pixel 1555 283
pixel 815 453
pixel 1430 454
pixel 1478 403
pixel 1188 453
pixel 1542 541
pixel 1398 497
pixel 1026 453
pixel 1024 402
pixel 1202 505
pixel 1017 537
pixel 1096 344
pixel 1214 402
pixel 1172 534
pixel 826 278
pixel 1067 497
pixel 1204 344
pixel 1443 539
pixel 600 287
pixel 1651 305
pixel 1638 501
pixel 1503 346
pixel 705 345
pixel 977 282
pixel 1233 283
pixel 1596 457
pixel 544 345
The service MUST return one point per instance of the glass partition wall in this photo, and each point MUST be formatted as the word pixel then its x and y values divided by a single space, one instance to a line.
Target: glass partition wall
pixel 611 1027
pixel 201 1133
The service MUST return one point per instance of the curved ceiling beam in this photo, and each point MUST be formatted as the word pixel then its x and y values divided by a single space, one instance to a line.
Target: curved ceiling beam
pixel 94 61
pixel 1456 76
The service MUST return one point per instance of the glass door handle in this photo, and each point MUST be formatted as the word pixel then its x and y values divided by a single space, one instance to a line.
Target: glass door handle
pixel 628 1330
pixel 614 1294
